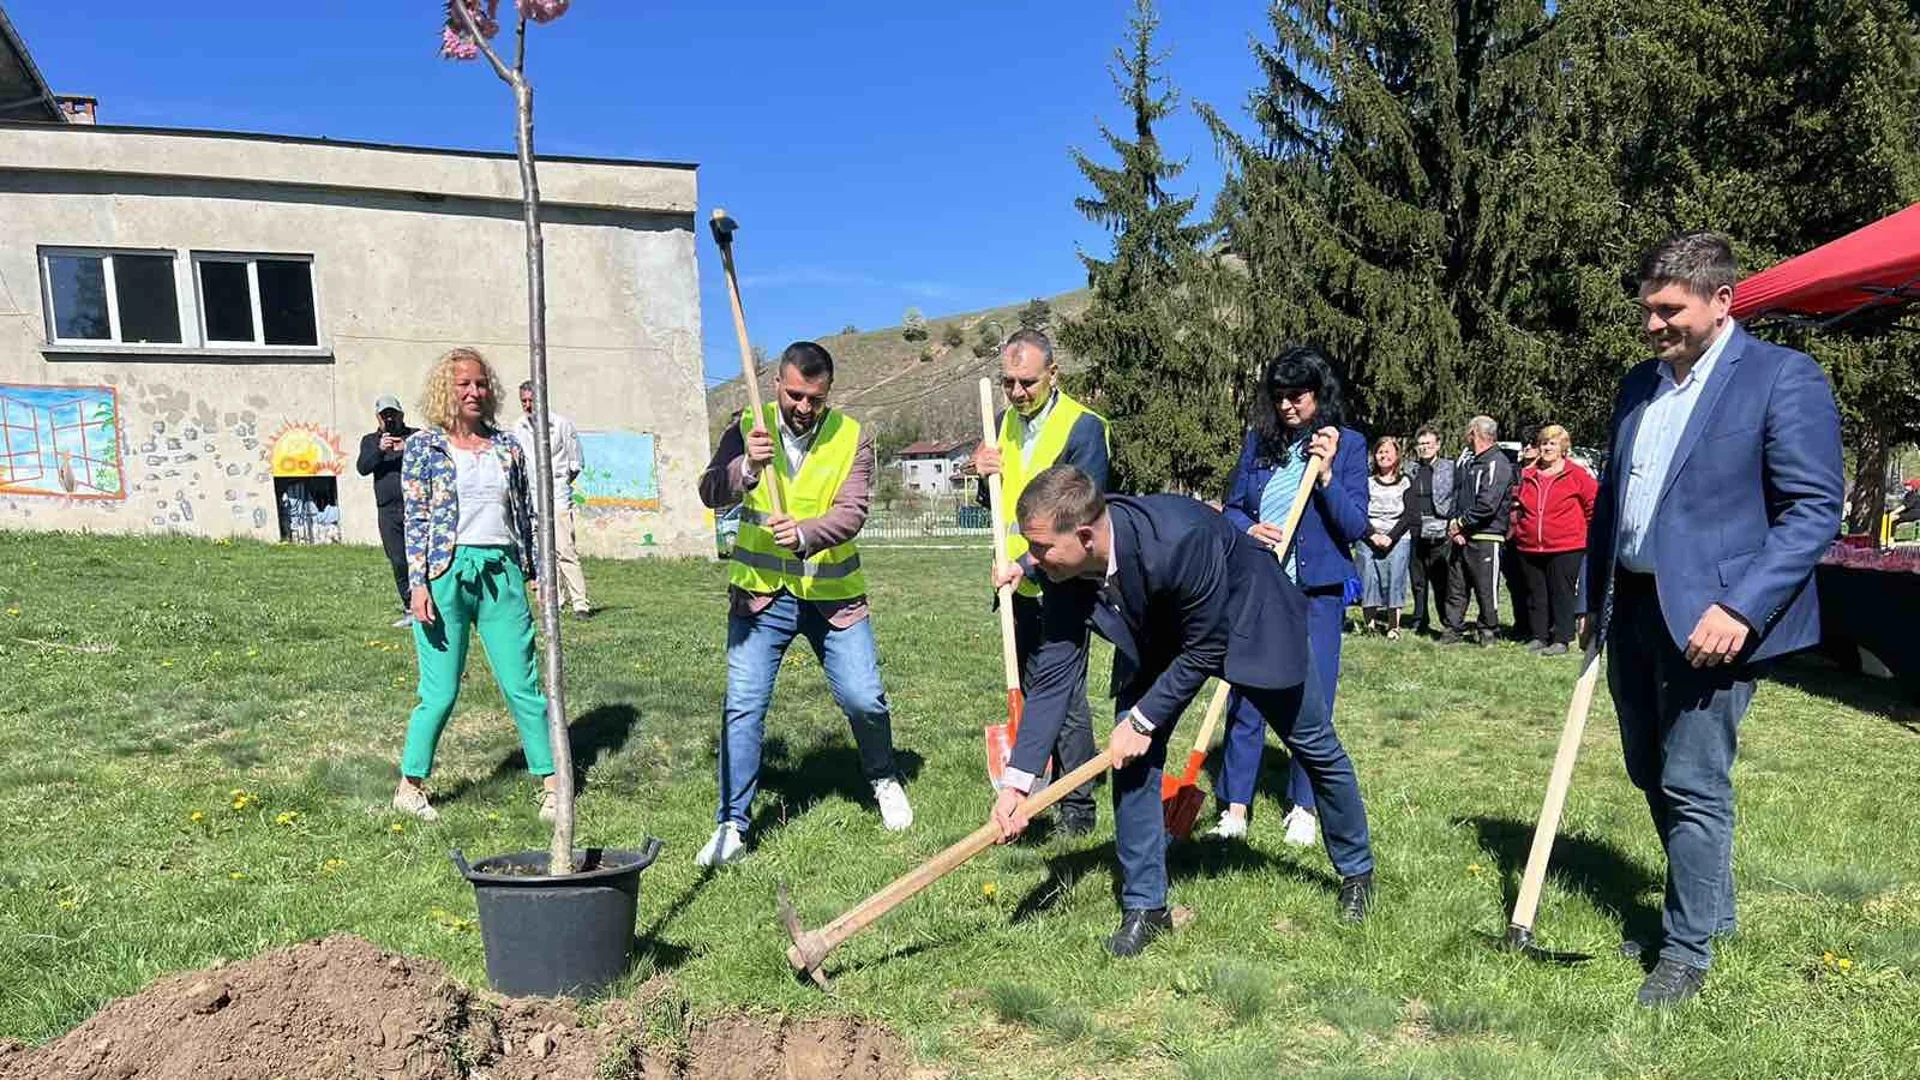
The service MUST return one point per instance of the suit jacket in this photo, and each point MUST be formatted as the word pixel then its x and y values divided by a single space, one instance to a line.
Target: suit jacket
pixel 1193 596
pixel 1750 502
pixel 1086 449
pixel 1336 515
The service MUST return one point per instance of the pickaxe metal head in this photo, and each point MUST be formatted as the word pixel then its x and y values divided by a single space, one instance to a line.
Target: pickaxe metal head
pixel 723 227
pixel 808 948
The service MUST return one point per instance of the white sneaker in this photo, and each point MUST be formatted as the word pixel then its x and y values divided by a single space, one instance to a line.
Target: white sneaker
pixel 1229 828
pixel 1303 827
pixel 895 813
pixel 404 622
pixel 725 848
pixel 549 805
pixel 412 799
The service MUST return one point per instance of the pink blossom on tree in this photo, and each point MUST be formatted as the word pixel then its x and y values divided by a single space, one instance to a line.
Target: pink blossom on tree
pixel 543 11
pixel 456 42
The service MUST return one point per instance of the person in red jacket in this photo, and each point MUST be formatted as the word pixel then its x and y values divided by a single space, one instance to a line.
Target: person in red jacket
pixel 1551 510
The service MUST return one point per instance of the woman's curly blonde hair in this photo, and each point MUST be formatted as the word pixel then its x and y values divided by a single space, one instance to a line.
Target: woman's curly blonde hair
pixel 439 406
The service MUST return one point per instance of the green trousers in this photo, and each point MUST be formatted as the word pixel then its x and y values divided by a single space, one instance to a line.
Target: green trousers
pixel 482 590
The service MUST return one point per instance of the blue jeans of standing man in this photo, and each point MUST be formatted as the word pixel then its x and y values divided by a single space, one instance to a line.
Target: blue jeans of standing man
pixel 1299 715
pixel 1679 728
pixel 755 646
pixel 1246 737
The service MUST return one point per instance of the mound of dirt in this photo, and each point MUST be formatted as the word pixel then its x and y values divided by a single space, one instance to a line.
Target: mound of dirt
pixel 341 1008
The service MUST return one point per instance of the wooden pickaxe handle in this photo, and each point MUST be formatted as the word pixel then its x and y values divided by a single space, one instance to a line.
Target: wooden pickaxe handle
pixel 1527 904
pixel 1009 655
pixel 863 914
pixel 749 371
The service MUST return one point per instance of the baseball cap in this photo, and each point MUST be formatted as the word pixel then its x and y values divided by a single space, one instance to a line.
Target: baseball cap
pixel 385 402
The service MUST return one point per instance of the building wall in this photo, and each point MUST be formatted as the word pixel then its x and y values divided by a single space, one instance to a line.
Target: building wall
pixel 400 277
pixel 931 475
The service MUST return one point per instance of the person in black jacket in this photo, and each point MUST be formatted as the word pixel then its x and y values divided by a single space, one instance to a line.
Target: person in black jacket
pixel 1483 495
pixel 380 453
pixel 1432 493
pixel 1182 595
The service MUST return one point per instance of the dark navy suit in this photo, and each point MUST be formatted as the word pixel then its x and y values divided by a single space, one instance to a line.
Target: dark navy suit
pixel 1335 518
pixel 1191 597
pixel 1750 499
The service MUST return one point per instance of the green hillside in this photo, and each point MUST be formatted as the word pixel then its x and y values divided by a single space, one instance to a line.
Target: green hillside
pixel 902 389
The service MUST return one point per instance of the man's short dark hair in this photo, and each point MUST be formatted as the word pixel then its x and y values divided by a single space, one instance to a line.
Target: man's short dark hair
pixel 1064 496
pixel 1702 261
pixel 1031 339
pixel 809 358
pixel 527 387
pixel 1425 430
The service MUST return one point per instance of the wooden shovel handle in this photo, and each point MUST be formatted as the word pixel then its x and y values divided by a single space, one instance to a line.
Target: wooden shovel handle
pixel 1009 655
pixel 1527 904
pixel 750 371
pixel 905 886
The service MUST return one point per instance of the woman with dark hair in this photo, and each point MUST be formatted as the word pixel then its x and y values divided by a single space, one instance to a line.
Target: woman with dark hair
pixel 1298 413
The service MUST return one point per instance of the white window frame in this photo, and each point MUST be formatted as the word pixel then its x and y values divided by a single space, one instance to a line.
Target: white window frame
pixel 105 255
pixel 252 261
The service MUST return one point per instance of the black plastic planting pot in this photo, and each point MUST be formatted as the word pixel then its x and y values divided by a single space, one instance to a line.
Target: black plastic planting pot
pixel 548 936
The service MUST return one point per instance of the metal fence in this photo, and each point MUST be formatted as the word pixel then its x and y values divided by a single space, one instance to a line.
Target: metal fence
pixel 947 516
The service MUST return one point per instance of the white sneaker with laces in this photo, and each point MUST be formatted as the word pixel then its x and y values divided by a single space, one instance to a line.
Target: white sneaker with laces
pixel 1303 827
pixel 725 848
pixel 404 622
pixel 895 813
pixel 1229 828
pixel 412 799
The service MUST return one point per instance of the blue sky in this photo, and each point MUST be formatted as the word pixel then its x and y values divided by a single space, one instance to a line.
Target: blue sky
pixel 877 154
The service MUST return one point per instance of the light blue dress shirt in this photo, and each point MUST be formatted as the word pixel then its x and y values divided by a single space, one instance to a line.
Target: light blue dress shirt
pixel 1651 455
pixel 1276 500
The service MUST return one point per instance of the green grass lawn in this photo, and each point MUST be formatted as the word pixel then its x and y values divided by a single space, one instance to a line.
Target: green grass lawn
pixel 146 681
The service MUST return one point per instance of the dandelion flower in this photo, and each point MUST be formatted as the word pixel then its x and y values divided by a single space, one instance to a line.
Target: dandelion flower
pixel 989 890
pixel 13 611
pixel 286 817
pixel 396 828
pixel 1474 868
pixel 332 865
pixel 1827 958
pixel 196 817
pixel 68 904
pixel 1843 963
pixel 237 875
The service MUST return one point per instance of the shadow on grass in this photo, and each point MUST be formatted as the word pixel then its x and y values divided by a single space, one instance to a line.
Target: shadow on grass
pixel 1889 698
pixel 595 734
pixel 1191 859
pixel 1605 875
pixel 790 788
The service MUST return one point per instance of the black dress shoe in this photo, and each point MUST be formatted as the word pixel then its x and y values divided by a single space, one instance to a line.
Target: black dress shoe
pixel 1451 637
pixel 1136 929
pixel 1356 896
pixel 1670 983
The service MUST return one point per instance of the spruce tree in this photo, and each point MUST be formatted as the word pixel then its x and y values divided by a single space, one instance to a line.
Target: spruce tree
pixel 1151 367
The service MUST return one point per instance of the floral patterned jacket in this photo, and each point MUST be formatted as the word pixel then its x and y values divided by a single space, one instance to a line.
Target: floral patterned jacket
pixel 432 513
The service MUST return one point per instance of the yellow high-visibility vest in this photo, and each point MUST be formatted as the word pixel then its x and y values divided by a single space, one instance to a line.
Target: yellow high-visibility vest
pixel 1014 473
pixel 762 566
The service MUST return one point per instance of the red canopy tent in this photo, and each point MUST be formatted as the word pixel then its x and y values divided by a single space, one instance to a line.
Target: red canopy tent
pixel 1869 267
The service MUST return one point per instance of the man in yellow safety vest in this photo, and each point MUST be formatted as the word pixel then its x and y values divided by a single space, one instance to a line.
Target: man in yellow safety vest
pixel 1042 428
pixel 797 572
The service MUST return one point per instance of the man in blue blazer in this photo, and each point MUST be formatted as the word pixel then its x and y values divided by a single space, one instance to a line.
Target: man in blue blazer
pixel 1722 490
pixel 1182 595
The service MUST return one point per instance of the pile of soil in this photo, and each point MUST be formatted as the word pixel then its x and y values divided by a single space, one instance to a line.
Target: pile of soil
pixel 342 1008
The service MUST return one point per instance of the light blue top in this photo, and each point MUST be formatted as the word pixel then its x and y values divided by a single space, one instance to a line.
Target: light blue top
pixel 1661 426
pixel 1276 499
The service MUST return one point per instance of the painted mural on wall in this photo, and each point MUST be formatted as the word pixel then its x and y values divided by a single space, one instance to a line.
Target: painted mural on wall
pixel 62 441
pixel 306 450
pixel 621 472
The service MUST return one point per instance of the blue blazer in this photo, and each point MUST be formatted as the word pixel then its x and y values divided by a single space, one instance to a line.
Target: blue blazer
pixel 1751 499
pixel 1194 597
pixel 1335 518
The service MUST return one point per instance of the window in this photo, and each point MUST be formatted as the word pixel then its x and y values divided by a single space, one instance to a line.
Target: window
pixel 126 297
pixel 257 300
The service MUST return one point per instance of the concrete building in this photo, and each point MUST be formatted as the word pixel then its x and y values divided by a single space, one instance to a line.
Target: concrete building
pixel 196 324
pixel 934 467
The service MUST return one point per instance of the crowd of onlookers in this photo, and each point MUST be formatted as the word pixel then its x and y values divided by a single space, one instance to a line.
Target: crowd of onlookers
pixel 1452 530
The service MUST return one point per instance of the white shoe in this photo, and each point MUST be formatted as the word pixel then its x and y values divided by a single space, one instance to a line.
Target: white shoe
pixel 1230 827
pixel 1303 827
pixel 404 622
pixel 412 799
pixel 549 805
pixel 895 813
pixel 724 849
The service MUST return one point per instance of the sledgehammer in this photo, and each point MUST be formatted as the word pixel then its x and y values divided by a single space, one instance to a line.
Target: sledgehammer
pixel 810 947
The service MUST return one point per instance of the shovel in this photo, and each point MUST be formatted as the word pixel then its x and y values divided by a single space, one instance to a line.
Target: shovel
pixel 1000 737
pixel 1180 793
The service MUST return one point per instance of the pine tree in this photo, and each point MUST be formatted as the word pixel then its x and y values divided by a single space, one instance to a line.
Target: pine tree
pixel 913 325
pixel 1169 395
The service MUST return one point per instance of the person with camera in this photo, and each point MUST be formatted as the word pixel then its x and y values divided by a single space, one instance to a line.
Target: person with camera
pixel 380 452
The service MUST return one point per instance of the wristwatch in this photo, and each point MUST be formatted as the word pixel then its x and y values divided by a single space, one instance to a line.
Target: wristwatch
pixel 1138 723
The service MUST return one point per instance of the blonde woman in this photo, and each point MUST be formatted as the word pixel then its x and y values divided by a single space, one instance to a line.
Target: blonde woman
pixel 469 556
pixel 1551 511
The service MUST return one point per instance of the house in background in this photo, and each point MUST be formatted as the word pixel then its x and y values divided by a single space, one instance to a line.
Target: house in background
pixel 932 467
pixel 199 322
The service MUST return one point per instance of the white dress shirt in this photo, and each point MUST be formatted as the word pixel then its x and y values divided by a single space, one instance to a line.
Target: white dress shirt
pixel 1651 455
pixel 567 459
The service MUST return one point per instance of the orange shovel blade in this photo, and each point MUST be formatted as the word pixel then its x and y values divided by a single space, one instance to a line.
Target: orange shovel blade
pixel 1000 737
pixel 1182 798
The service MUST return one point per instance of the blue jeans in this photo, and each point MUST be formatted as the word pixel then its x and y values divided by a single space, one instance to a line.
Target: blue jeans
pixel 1247 733
pixel 1679 728
pixel 1299 715
pixel 755 646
